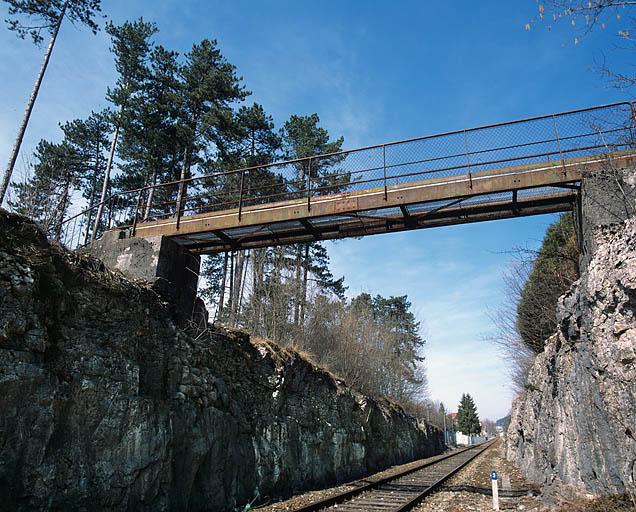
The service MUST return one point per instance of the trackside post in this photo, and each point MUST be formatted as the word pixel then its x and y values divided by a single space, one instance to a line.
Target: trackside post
pixel 495 490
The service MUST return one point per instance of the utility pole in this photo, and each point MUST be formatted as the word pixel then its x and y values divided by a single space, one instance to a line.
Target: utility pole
pixel 4 186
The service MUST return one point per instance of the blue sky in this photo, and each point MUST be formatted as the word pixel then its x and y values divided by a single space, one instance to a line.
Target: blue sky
pixel 374 72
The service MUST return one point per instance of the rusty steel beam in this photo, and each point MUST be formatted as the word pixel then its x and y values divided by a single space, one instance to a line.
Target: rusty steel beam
pixel 499 180
pixel 352 228
pixel 219 234
pixel 268 219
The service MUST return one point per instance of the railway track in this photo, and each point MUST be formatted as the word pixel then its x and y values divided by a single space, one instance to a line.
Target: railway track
pixel 399 492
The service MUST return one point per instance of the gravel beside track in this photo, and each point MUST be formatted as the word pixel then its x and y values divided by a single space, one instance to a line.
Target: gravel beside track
pixel 399 493
pixel 476 476
pixel 310 497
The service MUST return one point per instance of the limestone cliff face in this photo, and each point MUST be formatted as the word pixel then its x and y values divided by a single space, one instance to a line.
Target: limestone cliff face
pixel 106 404
pixel 576 420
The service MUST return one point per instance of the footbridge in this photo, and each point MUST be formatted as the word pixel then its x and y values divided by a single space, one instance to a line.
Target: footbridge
pixel 517 168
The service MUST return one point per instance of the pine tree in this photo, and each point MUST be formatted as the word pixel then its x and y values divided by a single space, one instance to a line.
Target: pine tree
pixel 150 145
pixel 45 196
pixel 209 86
pixel 89 140
pixel 403 342
pixel 467 418
pixel 249 142
pixel 131 46
pixel 30 18
pixel 302 137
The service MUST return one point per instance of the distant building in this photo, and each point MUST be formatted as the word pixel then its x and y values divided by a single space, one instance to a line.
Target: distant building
pixel 462 439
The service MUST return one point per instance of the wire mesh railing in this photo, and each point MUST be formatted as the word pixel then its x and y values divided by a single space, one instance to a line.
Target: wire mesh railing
pixel 503 147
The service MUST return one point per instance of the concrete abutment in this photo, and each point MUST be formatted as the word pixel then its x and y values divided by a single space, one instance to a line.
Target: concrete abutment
pixel 172 270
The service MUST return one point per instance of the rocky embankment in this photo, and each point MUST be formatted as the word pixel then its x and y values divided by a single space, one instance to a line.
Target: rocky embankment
pixel 107 404
pixel 576 421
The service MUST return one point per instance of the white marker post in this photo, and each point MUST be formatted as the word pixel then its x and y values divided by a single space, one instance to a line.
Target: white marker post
pixel 495 490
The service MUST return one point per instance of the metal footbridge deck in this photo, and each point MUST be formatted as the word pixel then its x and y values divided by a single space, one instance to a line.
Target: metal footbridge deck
pixel 524 167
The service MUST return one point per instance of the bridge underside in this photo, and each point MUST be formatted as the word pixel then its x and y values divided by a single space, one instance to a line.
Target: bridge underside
pixel 496 194
pixel 415 216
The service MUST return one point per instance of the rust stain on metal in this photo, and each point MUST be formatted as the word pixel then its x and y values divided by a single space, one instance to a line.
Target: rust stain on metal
pixel 417 192
pixel 346 205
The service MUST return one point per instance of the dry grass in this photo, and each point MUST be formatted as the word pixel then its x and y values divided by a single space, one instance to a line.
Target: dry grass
pixel 294 352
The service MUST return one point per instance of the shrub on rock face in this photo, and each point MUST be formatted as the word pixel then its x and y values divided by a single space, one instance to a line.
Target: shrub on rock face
pixel 553 272
pixel 573 424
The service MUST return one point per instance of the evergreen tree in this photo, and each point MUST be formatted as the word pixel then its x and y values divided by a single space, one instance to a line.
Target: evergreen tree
pixel 30 18
pixel 553 271
pixel 467 418
pixel 400 342
pixel 249 142
pixel 88 138
pixel 45 196
pixel 210 87
pixel 403 341
pixel 131 46
pixel 151 145
pixel 302 137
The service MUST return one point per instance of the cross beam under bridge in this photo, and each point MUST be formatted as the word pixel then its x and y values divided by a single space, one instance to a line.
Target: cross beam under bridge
pixel 525 167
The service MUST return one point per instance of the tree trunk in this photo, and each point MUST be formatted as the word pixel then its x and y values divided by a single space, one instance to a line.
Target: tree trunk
pixel 297 286
pixel 303 302
pixel 258 296
pixel 63 204
pixel 151 193
pixel 258 265
pixel 276 294
pixel 230 295
pixel 185 168
pixel 109 165
pixel 183 187
pixel 242 288
pixel 238 279
pixel 4 186
pixel 91 202
pixel 219 310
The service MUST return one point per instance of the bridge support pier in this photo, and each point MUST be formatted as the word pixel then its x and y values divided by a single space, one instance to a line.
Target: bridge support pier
pixel 172 271
pixel 606 198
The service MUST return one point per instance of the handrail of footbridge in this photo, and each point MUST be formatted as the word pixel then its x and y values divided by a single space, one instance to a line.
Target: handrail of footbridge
pixel 538 158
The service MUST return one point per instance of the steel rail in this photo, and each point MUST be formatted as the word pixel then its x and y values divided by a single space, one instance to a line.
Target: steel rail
pixel 417 499
pixel 362 486
pixel 265 198
pixel 414 139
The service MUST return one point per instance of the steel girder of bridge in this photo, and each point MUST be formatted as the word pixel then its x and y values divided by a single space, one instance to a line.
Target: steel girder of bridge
pixel 498 194
pixel 524 167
